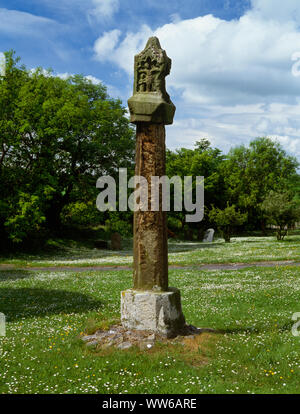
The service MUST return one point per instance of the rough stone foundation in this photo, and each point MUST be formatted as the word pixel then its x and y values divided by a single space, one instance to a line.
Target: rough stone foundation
pixel 159 312
pixel 121 338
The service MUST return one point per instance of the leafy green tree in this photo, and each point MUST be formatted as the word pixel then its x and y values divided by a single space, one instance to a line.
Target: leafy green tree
pixel 293 186
pixel 204 161
pixel 57 137
pixel 227 219
pixel 251 173
pixel 120 222
pixel 282 211
pixel 27 218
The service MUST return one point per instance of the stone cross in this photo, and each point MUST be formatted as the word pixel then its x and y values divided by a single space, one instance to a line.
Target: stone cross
pixel 151 304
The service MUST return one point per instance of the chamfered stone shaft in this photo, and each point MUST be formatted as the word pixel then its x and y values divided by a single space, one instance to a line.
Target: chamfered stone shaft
pixel 150 227
pixel 151 304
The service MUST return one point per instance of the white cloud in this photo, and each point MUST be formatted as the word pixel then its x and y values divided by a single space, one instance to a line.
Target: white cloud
pixel 104 8
pixel 45 72
pixel 106 44
pixel 15 22
pixel 64 75
pixel 278 10
pixel 230 126
pixel 93 79
pixel 222 68
pixel 175 17
pixel 111 90
pixel 217 61
pixel 67 75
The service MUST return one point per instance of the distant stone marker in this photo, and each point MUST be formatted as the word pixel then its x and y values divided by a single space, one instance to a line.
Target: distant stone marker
pixel 208 236
pixel 116 241
pixel 151 304
pixel 2 324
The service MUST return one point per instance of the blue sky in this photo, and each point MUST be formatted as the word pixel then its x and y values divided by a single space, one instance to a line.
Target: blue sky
pixel 235 72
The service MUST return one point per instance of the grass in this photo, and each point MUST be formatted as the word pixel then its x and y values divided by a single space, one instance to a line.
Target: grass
pixel 241 249
pixel 252 351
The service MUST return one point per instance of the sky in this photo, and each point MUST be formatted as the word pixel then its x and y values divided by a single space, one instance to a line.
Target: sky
pixel 235 63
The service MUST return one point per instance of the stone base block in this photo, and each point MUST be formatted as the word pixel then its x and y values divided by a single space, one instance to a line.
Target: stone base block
pixel 152 311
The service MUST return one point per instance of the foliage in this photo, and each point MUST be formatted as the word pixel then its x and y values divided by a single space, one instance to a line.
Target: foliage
pixel 293 186
pixel 281 211
pixel 204 161
pixel 251 173
pixel 27 218
pixel 227 219
pixel 120 222
pixel 56 138
pixel 79 213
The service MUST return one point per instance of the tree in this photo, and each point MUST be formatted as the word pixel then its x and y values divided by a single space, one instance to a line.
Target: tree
pixel 57 137
pixel 293 186
pixel 227 219
pixel 281 211
pixel 251 173
pixel 204 161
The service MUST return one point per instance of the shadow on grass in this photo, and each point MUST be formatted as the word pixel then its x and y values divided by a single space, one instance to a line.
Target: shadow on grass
pixel 35 302
pixel 14 274
pixel 250 330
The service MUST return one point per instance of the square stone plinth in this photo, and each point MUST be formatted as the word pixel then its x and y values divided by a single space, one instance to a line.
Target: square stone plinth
pixel 154 311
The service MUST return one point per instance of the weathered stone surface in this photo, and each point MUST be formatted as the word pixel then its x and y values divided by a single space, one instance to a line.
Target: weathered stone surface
pixel 154 311
pixel 92 343
pixel 125 345
pixel 150 243
pixel 146 345
pixel 118 335
pixel 208 236
pixel 152 305
pixel 88 338
pixel 151 337
pixel 150 101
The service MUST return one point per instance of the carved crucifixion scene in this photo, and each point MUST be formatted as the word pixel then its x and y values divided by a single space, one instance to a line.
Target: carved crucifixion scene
pixel 150 101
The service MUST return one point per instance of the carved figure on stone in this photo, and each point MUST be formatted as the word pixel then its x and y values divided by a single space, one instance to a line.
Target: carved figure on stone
pixel 150 101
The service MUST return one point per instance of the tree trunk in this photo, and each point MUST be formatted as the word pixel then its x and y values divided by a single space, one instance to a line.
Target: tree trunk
pixel 263 227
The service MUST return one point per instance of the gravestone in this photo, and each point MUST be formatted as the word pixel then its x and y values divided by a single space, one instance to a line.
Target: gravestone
pixel 151 304
pixel 116 241
pixel 2 324
pixel 208 236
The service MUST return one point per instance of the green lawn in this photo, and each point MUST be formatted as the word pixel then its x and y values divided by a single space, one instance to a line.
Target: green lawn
pixel 252 351
pixel 241 249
